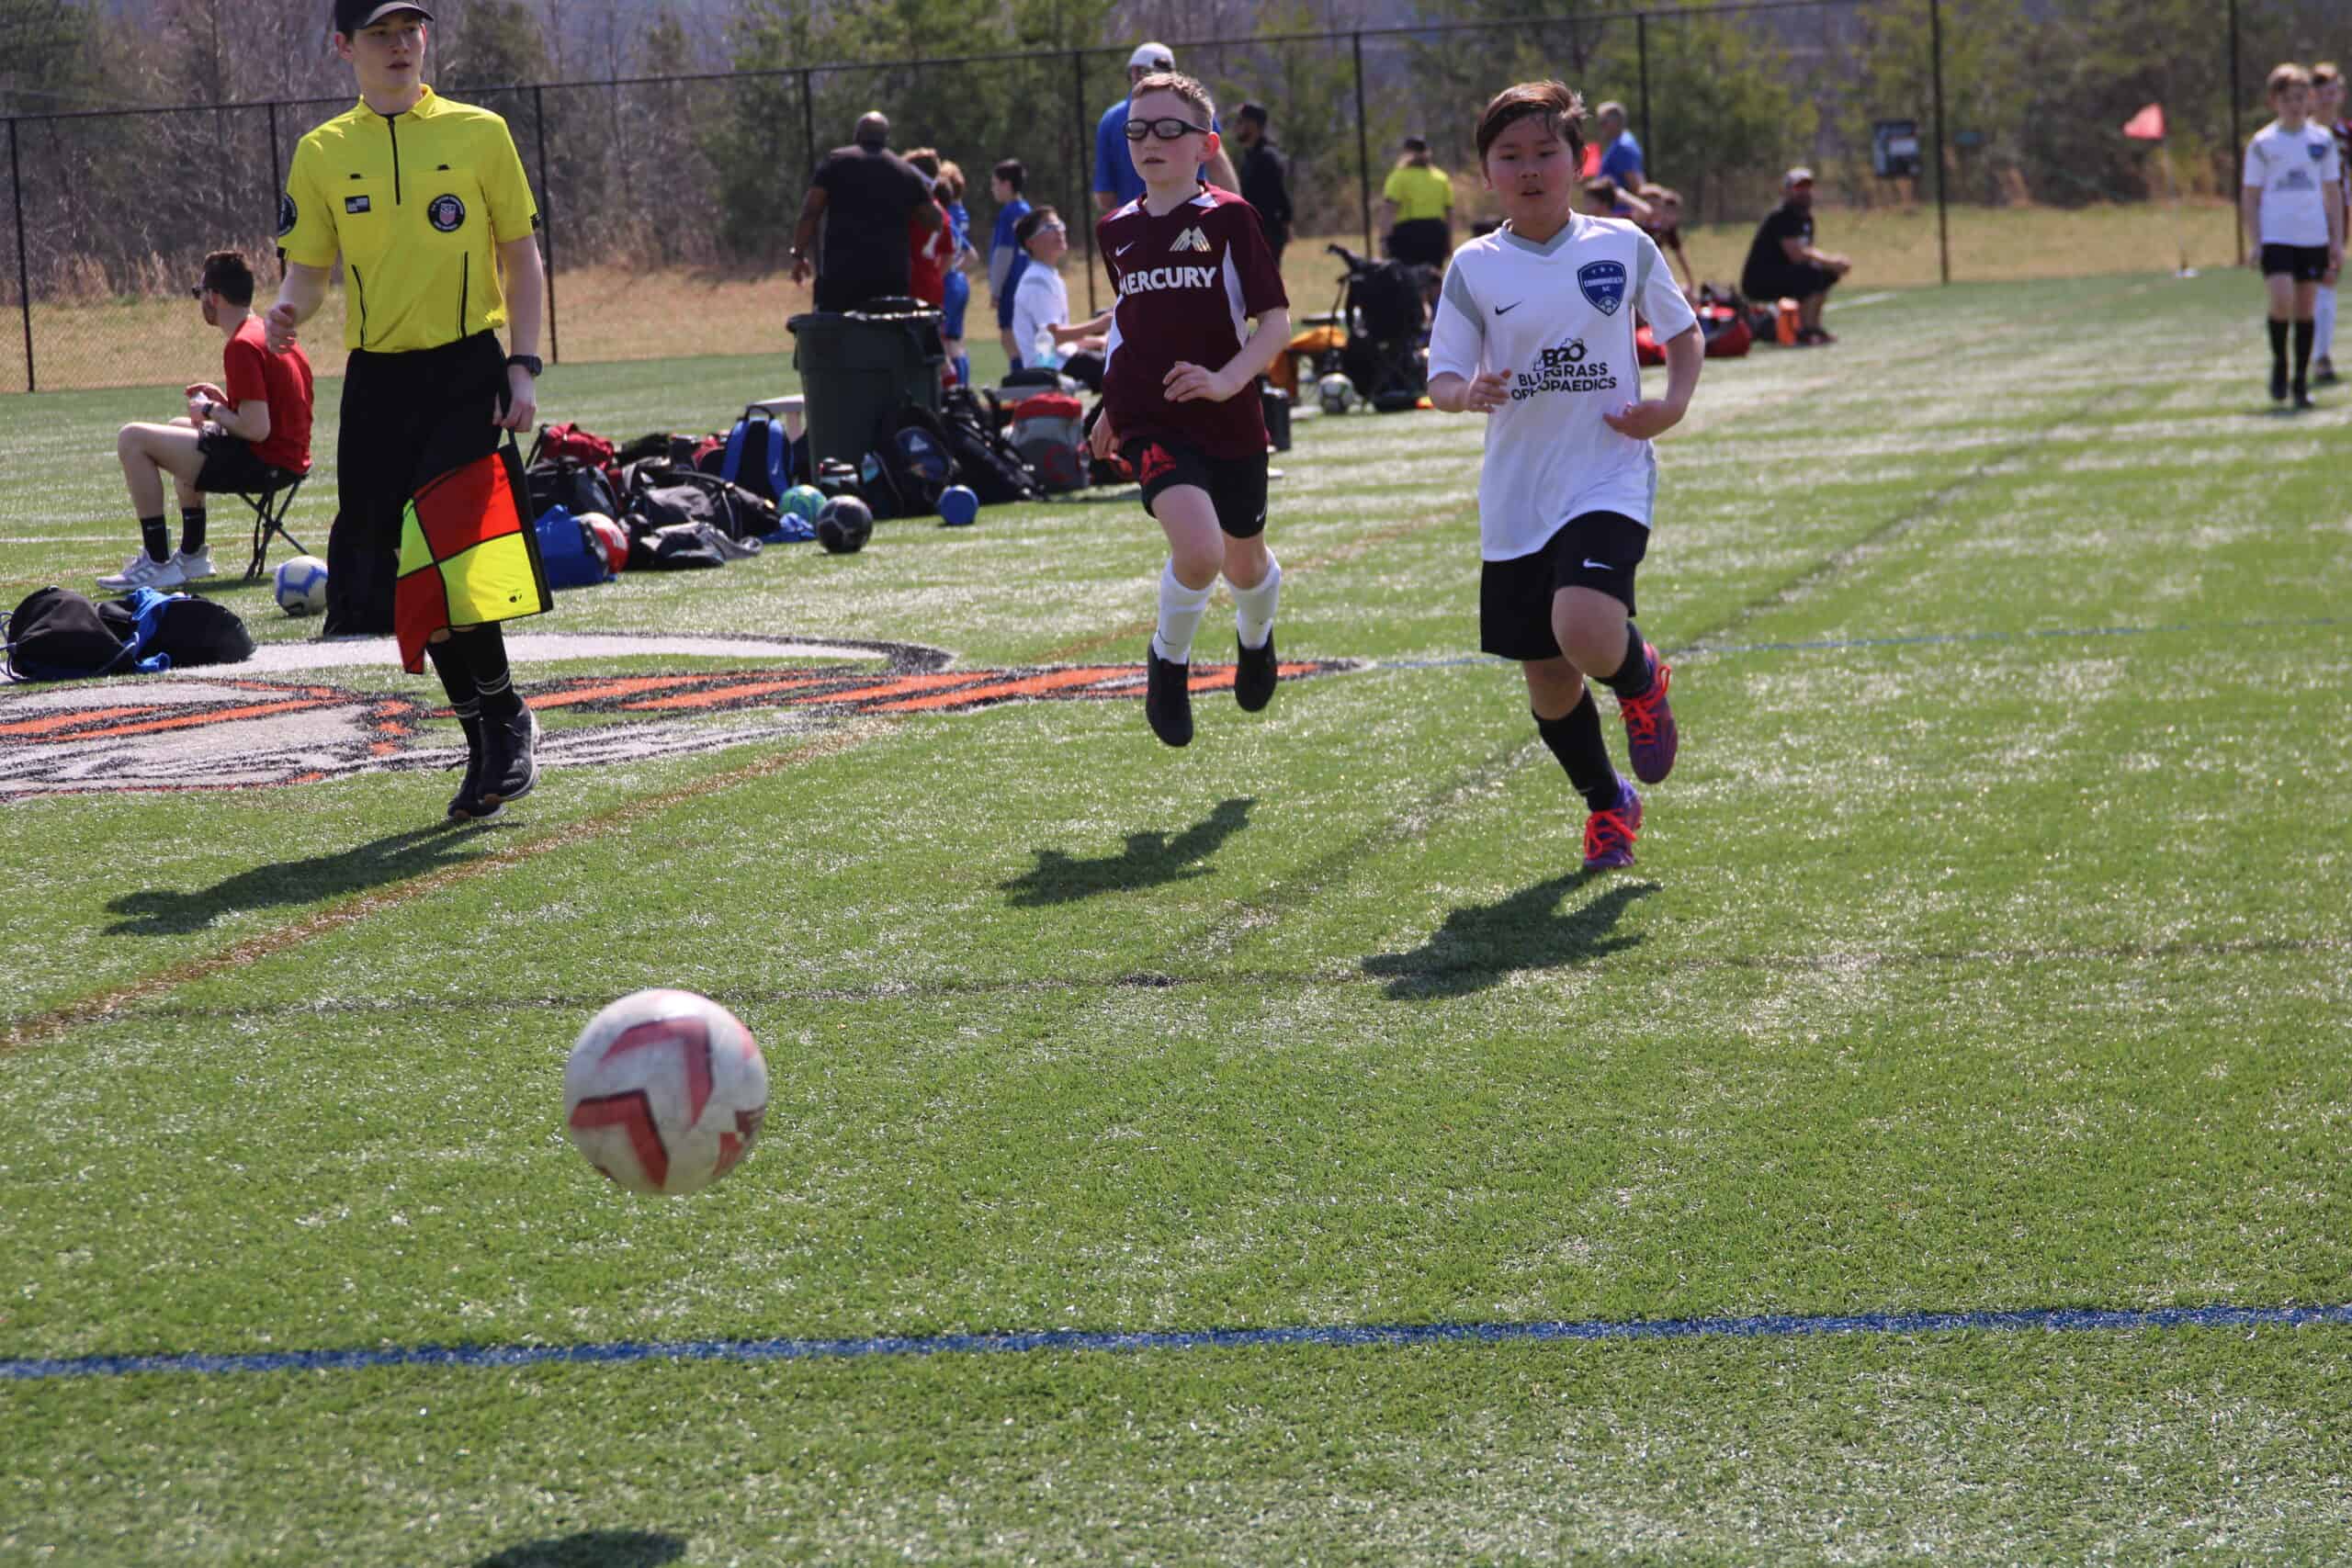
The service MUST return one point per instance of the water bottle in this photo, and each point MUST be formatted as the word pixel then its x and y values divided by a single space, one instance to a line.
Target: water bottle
pixel 1044 352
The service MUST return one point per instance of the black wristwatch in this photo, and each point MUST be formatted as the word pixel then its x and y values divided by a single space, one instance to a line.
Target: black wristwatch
pixel 529 361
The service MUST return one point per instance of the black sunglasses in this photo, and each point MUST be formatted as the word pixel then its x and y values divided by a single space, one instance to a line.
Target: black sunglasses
pixel 1167 130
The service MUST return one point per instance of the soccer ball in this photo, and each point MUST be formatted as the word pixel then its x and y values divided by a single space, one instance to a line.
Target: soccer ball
pixel 843 524
pixel 1336 393
pixel 302 585
pixel 665 1091
pixel 612 540
pixel 801 501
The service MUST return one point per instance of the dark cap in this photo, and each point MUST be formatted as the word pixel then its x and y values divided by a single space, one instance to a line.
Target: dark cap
pixel 1254 113
pixel 1417 144
pixel 351 16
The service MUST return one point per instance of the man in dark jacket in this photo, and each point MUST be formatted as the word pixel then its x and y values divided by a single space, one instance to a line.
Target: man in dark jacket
pixel 1265 176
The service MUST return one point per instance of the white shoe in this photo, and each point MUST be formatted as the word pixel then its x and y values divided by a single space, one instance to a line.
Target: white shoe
pixel 145 571
pixel 193 568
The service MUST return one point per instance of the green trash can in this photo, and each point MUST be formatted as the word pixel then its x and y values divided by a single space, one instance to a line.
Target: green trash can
pixel 859 367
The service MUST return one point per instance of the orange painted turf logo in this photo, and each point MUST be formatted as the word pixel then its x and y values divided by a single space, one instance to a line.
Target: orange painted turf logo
pixel 196 731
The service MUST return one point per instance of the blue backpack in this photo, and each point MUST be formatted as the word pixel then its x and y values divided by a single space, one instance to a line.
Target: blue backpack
pixel 757 455
pixel 569 551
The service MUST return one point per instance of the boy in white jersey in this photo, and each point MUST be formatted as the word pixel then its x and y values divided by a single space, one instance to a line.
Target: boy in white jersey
pixel 1535 329
pixel 2292 204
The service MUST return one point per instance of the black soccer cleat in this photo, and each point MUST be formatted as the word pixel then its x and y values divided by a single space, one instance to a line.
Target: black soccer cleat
pixel 1168 699
pixel 2277 383
pixel 510 757
pixel 1254 675
pixel 466 805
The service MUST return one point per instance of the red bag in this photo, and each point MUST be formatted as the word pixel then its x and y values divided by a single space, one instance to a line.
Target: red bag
pixel 568 440
pixel 1721 328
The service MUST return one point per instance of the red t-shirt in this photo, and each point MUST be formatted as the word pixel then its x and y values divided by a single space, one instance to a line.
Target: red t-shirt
pixel 1186 285
pixel 283 381
pixel 928 253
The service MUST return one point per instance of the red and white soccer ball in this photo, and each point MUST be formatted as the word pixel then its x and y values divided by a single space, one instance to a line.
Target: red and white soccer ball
pixel 612 541
pixel 665 1091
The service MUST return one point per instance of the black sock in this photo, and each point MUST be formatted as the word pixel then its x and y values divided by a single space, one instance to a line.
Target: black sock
pixel 1634 677
pixel 485 653
pixel 457 674
pixel 2304 334
pixel 191 529
pixel 2279 346
pixel 1575 739
pixel 153 533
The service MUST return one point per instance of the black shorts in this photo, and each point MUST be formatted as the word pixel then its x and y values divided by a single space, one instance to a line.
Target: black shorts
pixel 1593 549
pixel 1236 486
pixel 232 466
pixel 1422 242
pixel 2304 264
pixel 1789 280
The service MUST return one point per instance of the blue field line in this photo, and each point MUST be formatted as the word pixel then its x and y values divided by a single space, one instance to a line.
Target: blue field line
pixel 1774 1325
pixel 1921 639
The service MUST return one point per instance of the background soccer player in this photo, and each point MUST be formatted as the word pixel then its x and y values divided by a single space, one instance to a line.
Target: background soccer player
pixel 2293 205
pixel 1536 330
pixel 1189 264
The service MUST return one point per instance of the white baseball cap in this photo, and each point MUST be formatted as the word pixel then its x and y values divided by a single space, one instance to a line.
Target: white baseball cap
pixel 1154 56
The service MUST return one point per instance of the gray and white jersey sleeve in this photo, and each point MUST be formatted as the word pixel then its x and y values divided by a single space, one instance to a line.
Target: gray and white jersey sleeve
pixel 1457 336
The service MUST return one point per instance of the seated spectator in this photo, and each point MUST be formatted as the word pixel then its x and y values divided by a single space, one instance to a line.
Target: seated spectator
pixel 1041 304
pixel 1783 262
pixel 1665 224
pixel 1604 198
pixel 254 435
pixel 1417 202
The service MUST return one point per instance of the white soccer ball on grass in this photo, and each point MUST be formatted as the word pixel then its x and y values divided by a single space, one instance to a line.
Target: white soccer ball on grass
pixel 302 585
pixel 665 1091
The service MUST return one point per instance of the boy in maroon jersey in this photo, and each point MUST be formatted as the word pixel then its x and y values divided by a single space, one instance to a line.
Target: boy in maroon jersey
pixel 1189 267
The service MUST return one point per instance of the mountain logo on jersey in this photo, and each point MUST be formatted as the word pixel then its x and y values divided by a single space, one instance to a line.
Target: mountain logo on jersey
pixel 1603 283
pixel 1191 239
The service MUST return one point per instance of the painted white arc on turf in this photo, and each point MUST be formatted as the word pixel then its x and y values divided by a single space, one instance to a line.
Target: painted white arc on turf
pixel 523 647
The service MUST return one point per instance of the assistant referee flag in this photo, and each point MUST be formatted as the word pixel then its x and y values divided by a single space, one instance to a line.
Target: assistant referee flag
pixel 467 555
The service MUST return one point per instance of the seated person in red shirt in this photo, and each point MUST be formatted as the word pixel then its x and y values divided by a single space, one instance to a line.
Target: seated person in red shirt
pixel 254 436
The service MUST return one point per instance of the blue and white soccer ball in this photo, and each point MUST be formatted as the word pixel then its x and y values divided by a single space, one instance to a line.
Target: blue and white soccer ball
pixel 302 585
pixel 1336 393
pixel 801 501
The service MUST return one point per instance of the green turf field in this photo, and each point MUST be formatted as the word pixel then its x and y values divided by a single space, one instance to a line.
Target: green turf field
pixel 1987 953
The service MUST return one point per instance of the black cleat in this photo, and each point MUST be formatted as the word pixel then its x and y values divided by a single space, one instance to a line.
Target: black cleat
pixel 510 761
pixel 1168 699
pixel 466 805
pixel 2277 383
pixel 1254 675
pixel 2304 399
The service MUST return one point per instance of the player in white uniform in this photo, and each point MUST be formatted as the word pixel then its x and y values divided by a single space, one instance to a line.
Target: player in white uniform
pixel 2327 113
pixel 2293 205
pixel 1536 330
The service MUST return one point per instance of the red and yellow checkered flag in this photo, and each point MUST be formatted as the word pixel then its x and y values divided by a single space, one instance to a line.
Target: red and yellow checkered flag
pixel 469 554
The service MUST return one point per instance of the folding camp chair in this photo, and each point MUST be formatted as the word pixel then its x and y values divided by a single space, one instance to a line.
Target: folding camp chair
pixel 269 508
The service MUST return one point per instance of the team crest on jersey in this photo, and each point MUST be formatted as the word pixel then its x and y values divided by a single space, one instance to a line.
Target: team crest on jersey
pixel 1191 239
pixel 1603 283
pixel 285 214
pixel 2318 150
pixel 445 213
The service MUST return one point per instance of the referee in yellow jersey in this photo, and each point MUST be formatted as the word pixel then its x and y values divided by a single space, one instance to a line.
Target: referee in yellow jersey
pixel 427 203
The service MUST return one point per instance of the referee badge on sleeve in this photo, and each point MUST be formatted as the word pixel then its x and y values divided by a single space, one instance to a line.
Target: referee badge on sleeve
pixel 285 214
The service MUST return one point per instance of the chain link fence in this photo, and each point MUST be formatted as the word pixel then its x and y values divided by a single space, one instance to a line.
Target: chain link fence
pixel 669 202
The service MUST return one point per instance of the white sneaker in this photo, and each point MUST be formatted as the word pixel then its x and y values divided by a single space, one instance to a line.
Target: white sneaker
pixel 193 568
pixel 145 571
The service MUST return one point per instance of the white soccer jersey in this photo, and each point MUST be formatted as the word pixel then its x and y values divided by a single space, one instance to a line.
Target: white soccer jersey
pixel 1559 318
pixel 2291 168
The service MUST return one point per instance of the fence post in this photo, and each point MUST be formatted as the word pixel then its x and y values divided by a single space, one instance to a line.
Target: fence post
pixel 547 212
pixel 1935 50
pixel 24 278
pixel 276 182
pixel 808 114
pixel 2237 138
pixel 1642 57
pixel 1363 150
pixel 1083 201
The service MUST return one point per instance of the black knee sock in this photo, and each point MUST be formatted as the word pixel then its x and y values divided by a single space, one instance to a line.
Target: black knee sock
pixel 1575 739
pixel 191 529
pixel 2304 334
pixel 485 654
pixel 1634 677
pixel 2277 345
pixel 153 535
pixel 457 674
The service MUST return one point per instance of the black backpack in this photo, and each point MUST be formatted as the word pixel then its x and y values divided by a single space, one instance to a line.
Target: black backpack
pixel 190 630
pixel 913 465
pixel 661 495
pixel 990 465
pixel 56 635
pixel 572 484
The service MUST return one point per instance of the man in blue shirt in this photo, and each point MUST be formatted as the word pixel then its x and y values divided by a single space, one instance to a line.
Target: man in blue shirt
pixel 1621 155
pixel 1116 180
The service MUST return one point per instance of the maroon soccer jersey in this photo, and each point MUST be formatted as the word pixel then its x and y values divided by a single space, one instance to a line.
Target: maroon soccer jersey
pixel 1187 285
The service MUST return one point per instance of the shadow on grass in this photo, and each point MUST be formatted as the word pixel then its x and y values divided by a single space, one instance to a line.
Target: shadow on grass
pixel 593 1549
pixel 1148 861
pixel 159 911
pixel 1477 947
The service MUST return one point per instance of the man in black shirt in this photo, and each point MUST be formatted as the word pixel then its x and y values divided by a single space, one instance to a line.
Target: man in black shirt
pixel 1783 264
pixel 1265 178
pixel 867 196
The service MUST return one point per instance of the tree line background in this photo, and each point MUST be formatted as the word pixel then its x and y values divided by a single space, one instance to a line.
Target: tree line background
pixel 680 134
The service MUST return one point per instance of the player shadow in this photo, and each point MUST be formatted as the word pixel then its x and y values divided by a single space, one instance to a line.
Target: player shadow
pixel 1149 860
pixel 1480 945
pixel 593 1549
pixel 163 911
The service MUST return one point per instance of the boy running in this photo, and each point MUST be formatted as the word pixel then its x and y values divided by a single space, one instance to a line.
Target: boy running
pixel 1535 329
pixel 2293 205
pixel 1189 266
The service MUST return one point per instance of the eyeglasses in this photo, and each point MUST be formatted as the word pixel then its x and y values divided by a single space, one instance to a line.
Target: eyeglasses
pixel 1167 130
pixel 1052 229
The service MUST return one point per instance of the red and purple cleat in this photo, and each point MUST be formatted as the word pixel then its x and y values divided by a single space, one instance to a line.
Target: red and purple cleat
pixel 1650 734
pixel 1609 835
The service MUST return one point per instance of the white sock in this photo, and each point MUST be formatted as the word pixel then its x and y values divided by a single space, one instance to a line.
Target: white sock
pixel 2324 327
pixel 1253 608
pixel 1180 609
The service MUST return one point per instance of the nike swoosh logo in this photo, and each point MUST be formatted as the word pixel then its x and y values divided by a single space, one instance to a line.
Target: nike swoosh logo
pixel 1507 309
pixel 1123 250
pixel 1596 565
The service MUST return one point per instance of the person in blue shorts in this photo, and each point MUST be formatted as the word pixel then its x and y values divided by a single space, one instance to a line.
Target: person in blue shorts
pixel 1005 254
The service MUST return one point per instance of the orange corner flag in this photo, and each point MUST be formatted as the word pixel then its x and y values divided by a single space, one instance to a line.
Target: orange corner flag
pixel 2148 125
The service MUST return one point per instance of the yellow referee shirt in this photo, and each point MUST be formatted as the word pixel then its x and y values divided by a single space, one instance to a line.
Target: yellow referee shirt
pixel 1419 190
pixel 417 203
